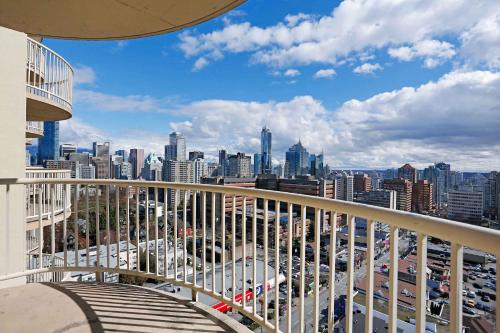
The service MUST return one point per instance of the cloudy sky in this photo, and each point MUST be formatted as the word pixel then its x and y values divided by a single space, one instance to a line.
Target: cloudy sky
pixel 372 83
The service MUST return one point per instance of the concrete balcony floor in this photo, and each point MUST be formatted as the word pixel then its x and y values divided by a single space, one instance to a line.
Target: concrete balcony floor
pixel 103 307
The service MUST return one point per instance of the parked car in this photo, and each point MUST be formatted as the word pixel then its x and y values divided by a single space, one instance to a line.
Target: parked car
pixel 471 294
pixel 485 298
pixel 472 277
pixel 471 303
pixel 477 285
pixel 468 310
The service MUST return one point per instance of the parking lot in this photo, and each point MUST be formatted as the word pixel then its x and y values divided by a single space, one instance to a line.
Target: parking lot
pixel 479 290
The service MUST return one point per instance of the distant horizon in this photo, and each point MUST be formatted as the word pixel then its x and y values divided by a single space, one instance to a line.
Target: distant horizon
pixel 214 160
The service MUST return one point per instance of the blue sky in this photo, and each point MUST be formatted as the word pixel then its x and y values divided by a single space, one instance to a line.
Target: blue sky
pixel 372 83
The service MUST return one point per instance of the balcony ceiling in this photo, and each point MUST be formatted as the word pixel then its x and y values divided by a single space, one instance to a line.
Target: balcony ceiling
pixel 118 19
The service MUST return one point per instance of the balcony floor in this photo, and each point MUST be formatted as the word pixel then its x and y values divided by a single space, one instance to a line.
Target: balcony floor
pixel 102 307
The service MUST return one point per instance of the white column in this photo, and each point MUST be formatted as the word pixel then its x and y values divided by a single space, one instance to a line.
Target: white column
pixel 12 146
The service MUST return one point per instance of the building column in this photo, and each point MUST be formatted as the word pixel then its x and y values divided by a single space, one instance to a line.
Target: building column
pixel 12 146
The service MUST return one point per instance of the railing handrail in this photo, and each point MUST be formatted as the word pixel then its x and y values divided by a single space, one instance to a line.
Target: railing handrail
pixel 44 170
pixel 51 51
pixel 466 234
pixel 49 93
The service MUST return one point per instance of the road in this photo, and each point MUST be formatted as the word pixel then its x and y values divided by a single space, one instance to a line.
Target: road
pixel 340 289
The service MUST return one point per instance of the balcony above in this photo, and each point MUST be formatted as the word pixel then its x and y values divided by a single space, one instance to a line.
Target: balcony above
pixel 93 307
pixel 34 129
pixel 95 19
pixel 49 84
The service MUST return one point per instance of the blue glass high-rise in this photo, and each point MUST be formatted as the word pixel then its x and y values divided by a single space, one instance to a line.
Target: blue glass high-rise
pixel 265 150
pixel 48 145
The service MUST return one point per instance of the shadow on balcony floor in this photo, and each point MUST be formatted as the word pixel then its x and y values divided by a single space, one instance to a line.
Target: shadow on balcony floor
pixel 93 307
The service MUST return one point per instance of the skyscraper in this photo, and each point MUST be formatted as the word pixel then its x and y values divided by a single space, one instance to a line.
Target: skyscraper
pixel 297 159
pixel 408 172
pixel 136 158
pixel 176 149
pixel 48 144
pixel 265 150
pixel 153 167
pixel 223 163
pixel 257 164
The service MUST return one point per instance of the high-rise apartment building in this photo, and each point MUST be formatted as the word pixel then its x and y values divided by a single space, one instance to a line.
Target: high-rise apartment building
pixel 439 175
pixel 65 149
pixel 265 150
pixel 490 195
pixel 199 170
pixel 344 187
pixel 178 172
pixel 63 165
pixel 86 171
pixel 257 164
pixel 176 149
pixel 422 196
pixel 101 160
pixel 136 159
pixel 48 144
pixel 403 189
pixel 239 165
pixel 408 172
pixel 380 198
pixel 193 155
pixel 297 160
pixel 362 183
pixel 82 158
pixel 101 167
pixel 465 205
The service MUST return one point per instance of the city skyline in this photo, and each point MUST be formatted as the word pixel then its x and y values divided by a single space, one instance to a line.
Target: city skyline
pixel 370 101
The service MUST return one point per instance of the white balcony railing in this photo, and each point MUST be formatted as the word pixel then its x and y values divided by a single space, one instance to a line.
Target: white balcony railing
pixel 34 128
pixel 42 201
pixel 48 75
pixel 108 212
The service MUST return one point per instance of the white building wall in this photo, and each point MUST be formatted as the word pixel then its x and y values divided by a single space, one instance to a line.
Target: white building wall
pixel 12 145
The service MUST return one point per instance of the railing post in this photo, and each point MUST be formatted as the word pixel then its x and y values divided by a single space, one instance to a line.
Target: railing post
pixel 370 237
pixel 456 287
pixel 393 280
pixel 421 303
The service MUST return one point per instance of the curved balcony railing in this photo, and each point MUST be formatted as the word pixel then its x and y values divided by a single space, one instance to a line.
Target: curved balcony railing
pixel 49 200
pixel 202 246
pixel 49 78
pixel 34 129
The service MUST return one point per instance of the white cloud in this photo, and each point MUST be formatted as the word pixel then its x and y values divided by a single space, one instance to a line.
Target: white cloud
pixel 83 75
pixel 481 44
pixel 367 68
pixel 353 28
pixel 455 119
pixel 433 51
pixel 200 63
pixel 326 73
pixel 98 101
pixel 291 72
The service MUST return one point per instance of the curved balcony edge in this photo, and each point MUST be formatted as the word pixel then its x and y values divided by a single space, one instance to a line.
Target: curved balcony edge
pixel 49 84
